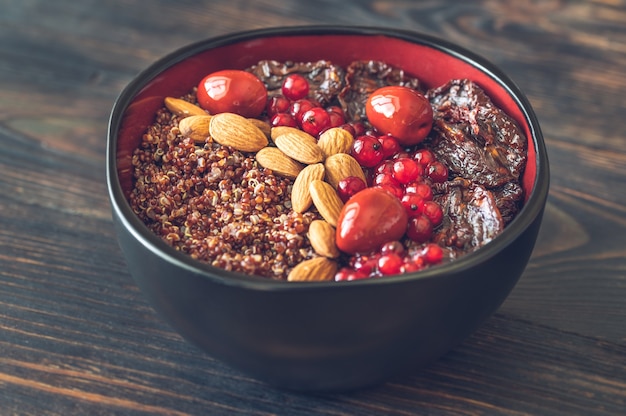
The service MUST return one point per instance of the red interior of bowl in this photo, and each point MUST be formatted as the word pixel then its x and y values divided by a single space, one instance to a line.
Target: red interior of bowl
pixel 433 66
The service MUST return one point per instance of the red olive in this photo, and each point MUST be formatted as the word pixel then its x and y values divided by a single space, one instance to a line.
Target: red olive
pixel 232 91
pixel 401 112
pixel 371 218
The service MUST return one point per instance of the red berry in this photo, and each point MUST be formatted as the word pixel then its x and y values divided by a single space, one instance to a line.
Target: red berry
pixel 367 150
pixel 335 109
pixel 395 190
pixel 401 112
pixel 368 220
pixel 295 87
pixel 419 229
pixel 277 104
pixel 384 179
pixel 392 247
pixel 283 119
pixel 348 127
pixel 412 204
pixel 359 128
pixel 346 274
pixel 232 91
pixel 390 145
pixel 424 157
pixel 386 166
pixel 315 121
pixel 433 254
pixel 433 212
pixel 335 119
pixel 437 171
pixel 421 189
pixel 365 264
pixel 349 186
pixel 413 265
pixel 390 264
pixel 299 107
pixel 406 170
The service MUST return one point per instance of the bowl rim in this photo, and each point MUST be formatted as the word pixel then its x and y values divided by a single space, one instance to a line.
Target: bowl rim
pixel 532 208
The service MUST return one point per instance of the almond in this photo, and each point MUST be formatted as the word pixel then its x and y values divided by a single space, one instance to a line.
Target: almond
pixel 281 164
pixel 183 108
pixel 322 237
pixel 317 269
pixel 278 130
pixel 195 127
pixel 230 129
pixel 342 165
pixel 326 201
pixel 300 145
pixel 300 193
pixel 262 125
pixel 335 140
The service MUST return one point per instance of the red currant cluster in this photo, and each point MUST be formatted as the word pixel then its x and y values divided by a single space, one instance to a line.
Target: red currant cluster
pixel 294 108
pixel 409 176
pixel 391 259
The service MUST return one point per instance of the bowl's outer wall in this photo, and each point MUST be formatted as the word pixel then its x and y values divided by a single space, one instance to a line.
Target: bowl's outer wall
pixel 332 337
pixel 320 337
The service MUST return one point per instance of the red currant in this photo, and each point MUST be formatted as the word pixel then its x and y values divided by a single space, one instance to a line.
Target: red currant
pixel 395 190
pixel 365 264
pixel 349 186
pixel 345 274
pixel 348 127
pixel 335 119
pixel 413 265
pixel 359 128
pixel 412 204
pixel 315 121
pixel 433 212
pixel 392 247
pixel 406 170
pixel 299 107
pixel 390 145
pixel 283 119
pixel 295 87
pixel 433 254
pixel 437 171
pixel 277 104
pixel 384 179
pixel 390 264
pixel 419 229
pixel 424 157
pixel 421 189
pixel 367 150
pixel 386 166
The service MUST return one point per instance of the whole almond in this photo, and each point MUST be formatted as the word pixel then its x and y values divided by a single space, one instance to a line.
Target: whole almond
pixel 335 140
pixel 281 164
pixel 183 108
pixel 342 165
pixel 195 127
pixel 322 237
pixel 317 269
pixel 278 130
pixel 326 201
pixel 230 129
pixel 301 146
pixel 300 193
pixel 262 125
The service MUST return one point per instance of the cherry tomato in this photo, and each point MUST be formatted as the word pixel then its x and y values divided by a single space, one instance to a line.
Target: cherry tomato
pixel 232 91
pixel 401 112
pixel 371 218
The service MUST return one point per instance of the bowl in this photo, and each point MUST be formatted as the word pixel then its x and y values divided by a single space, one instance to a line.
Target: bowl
pixel 322 336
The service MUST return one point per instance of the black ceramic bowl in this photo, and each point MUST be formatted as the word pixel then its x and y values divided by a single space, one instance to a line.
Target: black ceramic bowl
pixel 317 336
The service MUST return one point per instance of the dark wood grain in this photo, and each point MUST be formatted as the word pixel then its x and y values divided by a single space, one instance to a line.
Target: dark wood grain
pixel 76 335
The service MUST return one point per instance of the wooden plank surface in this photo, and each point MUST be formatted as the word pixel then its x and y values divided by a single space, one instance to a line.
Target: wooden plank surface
pixel 76 335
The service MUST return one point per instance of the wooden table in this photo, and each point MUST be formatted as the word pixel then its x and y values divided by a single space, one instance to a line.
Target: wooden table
pixel 78 338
